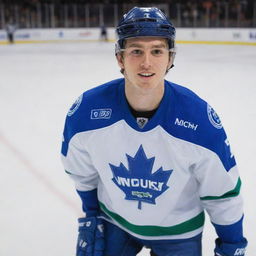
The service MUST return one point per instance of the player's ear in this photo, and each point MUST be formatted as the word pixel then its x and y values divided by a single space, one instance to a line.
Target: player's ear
pixel 120 60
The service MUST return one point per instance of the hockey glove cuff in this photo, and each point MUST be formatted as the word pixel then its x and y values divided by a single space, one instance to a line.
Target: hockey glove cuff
pixel 230 249
pixel 90 240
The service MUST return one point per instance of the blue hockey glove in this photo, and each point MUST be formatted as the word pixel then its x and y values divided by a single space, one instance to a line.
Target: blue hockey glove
pixel 230 249
pixel 91 237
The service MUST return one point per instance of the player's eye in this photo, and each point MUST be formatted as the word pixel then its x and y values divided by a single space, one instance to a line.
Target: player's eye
pixel 157 52
pixel 136 52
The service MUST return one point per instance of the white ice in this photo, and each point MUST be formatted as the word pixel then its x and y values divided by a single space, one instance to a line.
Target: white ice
pixel 39 82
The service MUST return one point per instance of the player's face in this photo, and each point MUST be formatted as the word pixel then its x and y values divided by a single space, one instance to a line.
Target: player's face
pixel 145 61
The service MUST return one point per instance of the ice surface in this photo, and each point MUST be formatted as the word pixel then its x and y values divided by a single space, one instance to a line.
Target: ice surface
pixel 38 83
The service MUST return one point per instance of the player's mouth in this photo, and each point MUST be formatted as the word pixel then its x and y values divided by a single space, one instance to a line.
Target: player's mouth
pixel 145 74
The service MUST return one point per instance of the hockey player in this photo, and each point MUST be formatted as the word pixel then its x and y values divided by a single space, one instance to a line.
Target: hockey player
pixel 149 156
pixel 103 33
pixel 10 29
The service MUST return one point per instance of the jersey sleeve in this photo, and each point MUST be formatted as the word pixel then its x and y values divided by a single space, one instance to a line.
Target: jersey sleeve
pixel 213 164
pixel 75 158
pixel 219 190
pixel 78 165
pixel 219 186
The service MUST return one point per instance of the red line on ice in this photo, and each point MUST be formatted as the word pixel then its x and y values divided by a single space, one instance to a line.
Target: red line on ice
pixel 38 175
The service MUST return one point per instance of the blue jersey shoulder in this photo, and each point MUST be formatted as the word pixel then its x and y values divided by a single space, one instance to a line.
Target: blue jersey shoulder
pixel 94 109
pixel 194 120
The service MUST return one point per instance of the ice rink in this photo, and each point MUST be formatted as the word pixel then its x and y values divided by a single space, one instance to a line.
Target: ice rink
pixel 39 82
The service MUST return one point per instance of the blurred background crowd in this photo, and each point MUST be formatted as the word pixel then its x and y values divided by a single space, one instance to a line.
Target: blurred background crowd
pixel 93 13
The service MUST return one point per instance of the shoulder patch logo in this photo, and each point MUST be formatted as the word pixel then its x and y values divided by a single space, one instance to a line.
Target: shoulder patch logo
pixel 213 117
pixel 138 183
pixel 103 113
pixel 75 105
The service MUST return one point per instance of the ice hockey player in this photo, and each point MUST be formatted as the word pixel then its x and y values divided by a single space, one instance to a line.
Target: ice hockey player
pixel 149 156
pixel 103 33
pixel 10 29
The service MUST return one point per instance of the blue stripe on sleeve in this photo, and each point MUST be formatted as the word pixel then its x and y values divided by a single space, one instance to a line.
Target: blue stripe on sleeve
pixel 90 202
pixel 230 233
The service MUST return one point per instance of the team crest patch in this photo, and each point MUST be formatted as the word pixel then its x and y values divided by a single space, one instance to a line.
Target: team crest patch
pixel 75 105
pixel 142 121
pixel 213 117
pixel 137 182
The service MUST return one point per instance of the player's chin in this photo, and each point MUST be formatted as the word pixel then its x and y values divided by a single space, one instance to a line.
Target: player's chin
pixel 146 79
pixel 147 85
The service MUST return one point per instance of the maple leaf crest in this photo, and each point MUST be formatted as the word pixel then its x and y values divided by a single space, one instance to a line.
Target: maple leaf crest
pixel 138 183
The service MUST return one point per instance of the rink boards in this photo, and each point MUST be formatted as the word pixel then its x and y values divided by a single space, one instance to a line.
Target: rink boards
pixel 241 36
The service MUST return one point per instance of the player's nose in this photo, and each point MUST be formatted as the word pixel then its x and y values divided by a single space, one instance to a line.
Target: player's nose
pixel 146 61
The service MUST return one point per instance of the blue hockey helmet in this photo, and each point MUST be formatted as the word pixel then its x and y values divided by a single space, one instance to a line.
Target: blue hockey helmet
pixel 141 22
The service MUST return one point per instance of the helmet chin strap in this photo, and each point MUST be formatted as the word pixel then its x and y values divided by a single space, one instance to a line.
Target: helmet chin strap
pixel 167 70
pixel 173 53
pixel 170 67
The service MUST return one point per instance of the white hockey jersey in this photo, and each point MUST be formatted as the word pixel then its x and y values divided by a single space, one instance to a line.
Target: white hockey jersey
pixel 154 182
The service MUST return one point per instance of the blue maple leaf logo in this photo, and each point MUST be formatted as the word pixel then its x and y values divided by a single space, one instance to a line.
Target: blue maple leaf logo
pixel 138 183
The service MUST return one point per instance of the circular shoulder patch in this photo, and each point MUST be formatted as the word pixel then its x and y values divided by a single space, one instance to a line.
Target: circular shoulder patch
pixel 213 117
pixel 75 106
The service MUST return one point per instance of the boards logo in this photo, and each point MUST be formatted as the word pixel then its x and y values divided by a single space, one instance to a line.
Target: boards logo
pixel 138 183
pixel 75 106
pixel 252 35
pixel 213 117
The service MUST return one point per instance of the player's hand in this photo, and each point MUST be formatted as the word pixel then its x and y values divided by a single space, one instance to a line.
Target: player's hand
pixel 230 249
pixel 90 240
